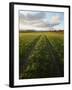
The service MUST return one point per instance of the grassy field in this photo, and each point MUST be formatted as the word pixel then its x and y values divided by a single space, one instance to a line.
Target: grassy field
pixel 41 54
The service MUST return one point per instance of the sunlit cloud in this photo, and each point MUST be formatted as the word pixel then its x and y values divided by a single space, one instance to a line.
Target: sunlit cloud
pixel 55 20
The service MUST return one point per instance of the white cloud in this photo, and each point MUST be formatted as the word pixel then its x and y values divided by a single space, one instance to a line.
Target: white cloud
pixel 55 20
pixel 30 27
pixel 32 20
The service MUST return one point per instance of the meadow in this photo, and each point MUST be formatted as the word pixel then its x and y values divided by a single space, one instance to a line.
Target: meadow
pixel 41 54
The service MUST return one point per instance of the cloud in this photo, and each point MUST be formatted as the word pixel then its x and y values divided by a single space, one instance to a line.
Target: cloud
pixel 30 27
pixel 32 20
pixel 38 16
pixel 32 16
pixel 55 20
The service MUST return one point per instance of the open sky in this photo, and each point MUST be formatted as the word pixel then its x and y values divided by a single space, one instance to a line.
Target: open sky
pixel 41 20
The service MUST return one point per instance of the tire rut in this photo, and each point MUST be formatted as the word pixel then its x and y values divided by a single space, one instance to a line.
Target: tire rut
pixel 23 63
pixel 55 57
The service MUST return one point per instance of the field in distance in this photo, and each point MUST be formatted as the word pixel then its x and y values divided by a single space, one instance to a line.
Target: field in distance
pixel 41 54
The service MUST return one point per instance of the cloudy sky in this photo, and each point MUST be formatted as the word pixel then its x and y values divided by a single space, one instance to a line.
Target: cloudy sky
pixel 41 20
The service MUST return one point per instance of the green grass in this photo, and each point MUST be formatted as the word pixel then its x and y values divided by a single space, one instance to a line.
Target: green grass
pixel 41 54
